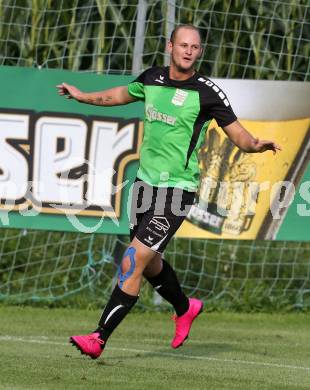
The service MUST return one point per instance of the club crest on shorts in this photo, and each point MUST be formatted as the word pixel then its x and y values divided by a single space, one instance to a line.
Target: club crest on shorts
pixel 179 97
pixel 161 224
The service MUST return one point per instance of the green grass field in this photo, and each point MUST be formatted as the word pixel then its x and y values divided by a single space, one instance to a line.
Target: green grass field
pixel 225 351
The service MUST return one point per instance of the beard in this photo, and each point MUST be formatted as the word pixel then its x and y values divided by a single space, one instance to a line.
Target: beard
pixel 183 69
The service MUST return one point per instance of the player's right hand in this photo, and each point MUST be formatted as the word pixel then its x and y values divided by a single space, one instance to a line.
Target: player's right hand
pixel 69 91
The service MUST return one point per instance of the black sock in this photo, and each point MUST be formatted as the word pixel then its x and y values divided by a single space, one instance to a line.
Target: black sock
pixel 167 285
pixel 116 309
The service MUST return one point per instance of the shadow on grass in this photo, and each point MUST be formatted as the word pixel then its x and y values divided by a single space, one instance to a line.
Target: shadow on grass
pixel 189 353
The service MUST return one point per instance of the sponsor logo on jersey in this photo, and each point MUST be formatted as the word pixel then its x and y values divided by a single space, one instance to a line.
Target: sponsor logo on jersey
pixel 160 223
pixel 179 97
pixel 152 114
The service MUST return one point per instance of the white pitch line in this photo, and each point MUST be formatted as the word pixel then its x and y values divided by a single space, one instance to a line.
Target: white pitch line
pixel 44 340
pixel 192 341
pixel 228 342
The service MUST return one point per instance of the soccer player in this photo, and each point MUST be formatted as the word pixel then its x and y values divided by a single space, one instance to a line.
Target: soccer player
pixel 179 105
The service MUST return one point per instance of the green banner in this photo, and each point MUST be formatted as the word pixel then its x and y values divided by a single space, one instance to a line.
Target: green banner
pixel 296 223
pixel 33 119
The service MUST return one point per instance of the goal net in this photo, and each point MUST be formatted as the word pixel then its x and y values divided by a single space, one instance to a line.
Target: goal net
pixel 245 275
pixel 242 39
pixel 257 39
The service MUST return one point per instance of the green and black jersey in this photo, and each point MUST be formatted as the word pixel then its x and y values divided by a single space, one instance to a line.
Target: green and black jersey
pixel 177 115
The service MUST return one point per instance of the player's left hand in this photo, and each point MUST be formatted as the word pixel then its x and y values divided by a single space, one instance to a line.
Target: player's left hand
pixel 261 146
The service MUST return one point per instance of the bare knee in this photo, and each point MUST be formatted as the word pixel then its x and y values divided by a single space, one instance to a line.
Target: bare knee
pixel 135 260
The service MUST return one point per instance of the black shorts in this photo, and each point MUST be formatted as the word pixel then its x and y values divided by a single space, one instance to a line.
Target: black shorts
pixel 157 213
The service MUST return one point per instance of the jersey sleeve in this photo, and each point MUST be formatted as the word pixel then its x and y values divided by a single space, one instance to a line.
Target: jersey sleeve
pixel 217 105
pixel 136 87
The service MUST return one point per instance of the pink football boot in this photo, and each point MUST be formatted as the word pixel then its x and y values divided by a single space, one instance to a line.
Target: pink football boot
pixel 89 344
pixel 183 323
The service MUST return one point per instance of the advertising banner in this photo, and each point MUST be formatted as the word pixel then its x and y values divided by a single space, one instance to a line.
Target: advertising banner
pixel 240 193
pixel 65 166
pixel 69 166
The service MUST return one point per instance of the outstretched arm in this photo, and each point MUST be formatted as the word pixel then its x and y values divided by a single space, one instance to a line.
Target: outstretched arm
pixel 246 142
pixel 110 97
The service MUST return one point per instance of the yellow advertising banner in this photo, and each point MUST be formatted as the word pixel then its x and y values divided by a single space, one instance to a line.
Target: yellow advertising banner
pixel 238 190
